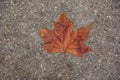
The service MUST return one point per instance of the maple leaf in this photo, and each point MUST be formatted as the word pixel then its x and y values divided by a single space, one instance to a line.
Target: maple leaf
pixel 63 39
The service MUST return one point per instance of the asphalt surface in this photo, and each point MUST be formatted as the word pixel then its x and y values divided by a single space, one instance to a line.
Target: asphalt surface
pixel 23 58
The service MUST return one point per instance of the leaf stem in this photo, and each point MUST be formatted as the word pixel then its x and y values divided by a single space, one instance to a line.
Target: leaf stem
pixel 65 56
pixel 67 65
pixel 65 59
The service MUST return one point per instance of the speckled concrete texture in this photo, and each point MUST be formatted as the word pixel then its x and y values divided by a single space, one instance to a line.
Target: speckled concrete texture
pixel 23 58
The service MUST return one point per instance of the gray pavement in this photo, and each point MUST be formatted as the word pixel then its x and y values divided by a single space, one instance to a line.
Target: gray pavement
pixel 23 58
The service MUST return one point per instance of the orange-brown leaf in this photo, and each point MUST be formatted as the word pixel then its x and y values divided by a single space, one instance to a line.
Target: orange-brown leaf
pixel 63 39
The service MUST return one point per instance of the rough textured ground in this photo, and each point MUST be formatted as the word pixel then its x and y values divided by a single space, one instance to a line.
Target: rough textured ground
pixel 23 58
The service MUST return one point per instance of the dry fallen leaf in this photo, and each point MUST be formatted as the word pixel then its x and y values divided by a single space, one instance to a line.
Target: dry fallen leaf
pixel 63 39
